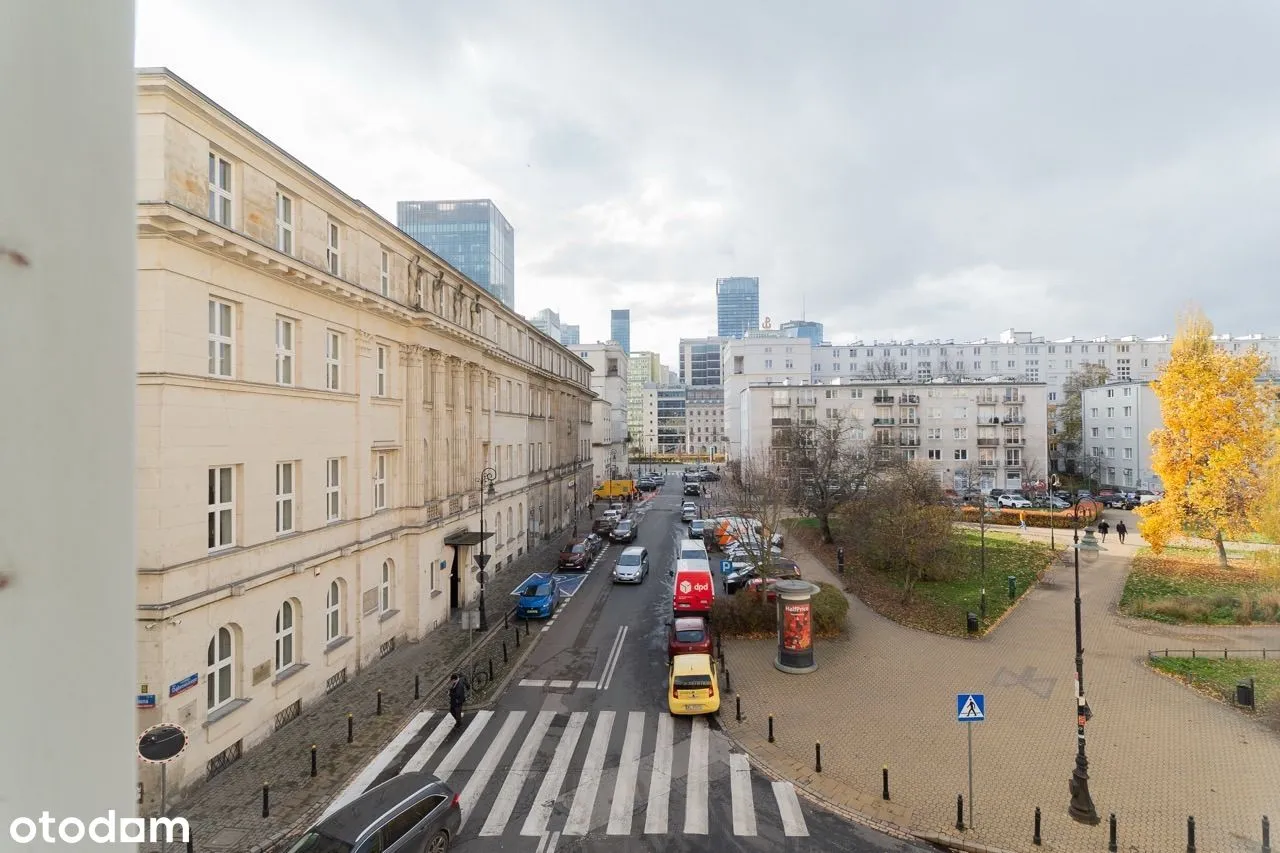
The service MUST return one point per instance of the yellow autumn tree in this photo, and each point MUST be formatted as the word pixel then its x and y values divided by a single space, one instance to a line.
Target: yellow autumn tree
pixel 1267 517
pixel 1211 453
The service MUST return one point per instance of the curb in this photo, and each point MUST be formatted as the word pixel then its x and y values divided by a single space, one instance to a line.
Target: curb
pixel 502 685
pixel 958 843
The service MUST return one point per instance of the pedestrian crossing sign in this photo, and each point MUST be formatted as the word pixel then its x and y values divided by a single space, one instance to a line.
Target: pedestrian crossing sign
pixel 971 707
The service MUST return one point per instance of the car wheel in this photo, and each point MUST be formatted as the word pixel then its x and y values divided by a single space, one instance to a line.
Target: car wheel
pixel 439 842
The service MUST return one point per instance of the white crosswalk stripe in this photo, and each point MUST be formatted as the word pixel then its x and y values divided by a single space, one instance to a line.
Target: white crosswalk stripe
pixel 552 786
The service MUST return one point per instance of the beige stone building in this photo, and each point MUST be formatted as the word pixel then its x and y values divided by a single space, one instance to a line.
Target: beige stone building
pixel 318 396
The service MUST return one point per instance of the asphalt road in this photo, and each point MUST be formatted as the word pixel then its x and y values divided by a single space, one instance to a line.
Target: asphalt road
pixel 580 752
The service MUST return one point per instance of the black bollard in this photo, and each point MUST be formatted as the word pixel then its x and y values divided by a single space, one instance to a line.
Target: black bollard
pixel 1112 845
pixel 728 685
pixel 884 783
pixel 960 812
pixel 350 728
pixel 417 689
pixel 313 760
pixel 506 620
pixel 817 757
pixel 737 707
pixel 1191 834
pixel 266 800
pixel 379 703
pixel 517 636
pixel 191 842
pixel 491 669
pixel 771 728
pixel 1035 837
pixel 504 651
pixel 1266 834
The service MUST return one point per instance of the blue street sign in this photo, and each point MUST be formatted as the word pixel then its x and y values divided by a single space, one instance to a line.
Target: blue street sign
pixel 971 707
pixel 726 566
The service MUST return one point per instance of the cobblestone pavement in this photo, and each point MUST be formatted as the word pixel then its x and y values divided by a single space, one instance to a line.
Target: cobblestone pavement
pixel 225 813
pixel 884 696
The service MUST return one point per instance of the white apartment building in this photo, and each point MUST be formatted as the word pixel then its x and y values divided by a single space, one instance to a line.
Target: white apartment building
pixel 994 432
pixel 704 421
pixel 1117 420
pixel 762 356
pixel 665 424
pixel 319 398
pixel 609 365
pixel 642 368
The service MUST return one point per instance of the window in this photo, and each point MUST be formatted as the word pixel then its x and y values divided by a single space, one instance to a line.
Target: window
pixel 219 677
pixel 219 190
pixel 380 383
pixel 379 481
pixel 222 532
pixel 284 223
pixel 1128 411
pixel 768 364
pixel 384 587
pixel 333 255
pixel 333 613
pixel 284 637
pixel 220 338
pixel 284 351
pixel 332 489
pixel 960 433
pixel 934 434
pixel 961 454
pixel 1128 453
pixel 333 360
pixel 385 275
pixel 960 413
pixel 935 454
pixel 284 497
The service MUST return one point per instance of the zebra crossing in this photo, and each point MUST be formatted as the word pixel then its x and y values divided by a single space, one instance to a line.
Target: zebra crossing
pixel 531 774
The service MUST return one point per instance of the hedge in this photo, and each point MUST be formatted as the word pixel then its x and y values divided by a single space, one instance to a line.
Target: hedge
pixel 1062 519
pixel 750 614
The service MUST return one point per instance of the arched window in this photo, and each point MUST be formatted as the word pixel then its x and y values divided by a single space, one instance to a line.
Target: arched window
pixel 284 637
pixel 384 587
pixel 511 531
pixel 497 530
pixel 520 514
pixel 220 676
pixel 333 613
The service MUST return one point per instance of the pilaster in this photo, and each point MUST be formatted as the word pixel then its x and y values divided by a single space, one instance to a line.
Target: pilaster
pixel 412 356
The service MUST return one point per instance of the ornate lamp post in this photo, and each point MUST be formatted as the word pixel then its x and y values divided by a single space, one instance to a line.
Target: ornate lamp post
pixel 487 478
pixel 1081 808
pixel 573 487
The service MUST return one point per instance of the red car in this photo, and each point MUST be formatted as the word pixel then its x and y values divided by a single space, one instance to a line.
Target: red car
pixel 688 636
pixel 578 554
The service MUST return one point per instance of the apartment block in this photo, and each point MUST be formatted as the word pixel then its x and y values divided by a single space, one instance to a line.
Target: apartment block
pixel 1117 420
pixel 642 368
pixel 318 396
pixel 762 356
pixel 700 361
pixel 609 364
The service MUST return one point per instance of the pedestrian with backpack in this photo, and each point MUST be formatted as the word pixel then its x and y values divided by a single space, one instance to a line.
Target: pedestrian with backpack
pixel 457 696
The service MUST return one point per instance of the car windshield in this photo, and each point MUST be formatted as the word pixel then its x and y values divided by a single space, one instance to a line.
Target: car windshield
pixel 629 560
pixel 693 554
pixel 315 842
pixel 577 549
pixel 693 682
pixel 624 525
pixel 694 636
pixel 534 589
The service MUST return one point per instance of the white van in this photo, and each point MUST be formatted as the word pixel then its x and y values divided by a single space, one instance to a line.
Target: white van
pixel 692 549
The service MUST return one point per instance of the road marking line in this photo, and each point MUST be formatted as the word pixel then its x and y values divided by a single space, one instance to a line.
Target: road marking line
pixel 542 843
pixel 611 663
pixel 624 789
pixel 533 682
pixel 655 816
pixel 696 787
pixel 584 800
pixel 587 685
pixel 504 804
pixel 744 810
pixel 789 807
pixel 552 843
pixel 536 821
pixel 546 628
pixel 560 684
pixel 470 732
pixel 429 746
pixel 362 782
pixel 488 764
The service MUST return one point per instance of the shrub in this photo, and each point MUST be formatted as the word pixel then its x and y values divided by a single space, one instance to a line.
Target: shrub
pixel 1061 519
pixel 748 614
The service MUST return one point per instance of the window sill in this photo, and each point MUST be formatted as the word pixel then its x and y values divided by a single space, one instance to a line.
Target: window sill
pixel 225 711
pixel 336 643
pixel 387 615
pixel 288 672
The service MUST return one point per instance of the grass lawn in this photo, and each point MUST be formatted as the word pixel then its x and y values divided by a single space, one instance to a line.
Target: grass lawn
pixel 1186 586
pixel 1218 677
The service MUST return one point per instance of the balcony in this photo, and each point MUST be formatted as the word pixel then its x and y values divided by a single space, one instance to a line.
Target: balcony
pixel 909 399
pixel 904 441
pixel 988 421
pixel 987 399
pixel 782 422
pixel 1013 463
pixel 884 399
pixel 988 442
pixel 988 463
pixel 910 422
pixel 1013 419
pixel 1015 398
pixel 882 421
pixel 1015 441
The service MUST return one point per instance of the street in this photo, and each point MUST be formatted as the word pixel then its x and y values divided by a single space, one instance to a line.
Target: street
pixel 580 751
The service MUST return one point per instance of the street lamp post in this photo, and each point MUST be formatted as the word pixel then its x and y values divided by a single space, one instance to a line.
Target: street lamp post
pixel 1082 809
pixel 982 526
pixel 573 487
pixel 487 478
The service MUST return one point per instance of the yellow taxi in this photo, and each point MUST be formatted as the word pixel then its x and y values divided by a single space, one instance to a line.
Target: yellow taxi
pixel 692 685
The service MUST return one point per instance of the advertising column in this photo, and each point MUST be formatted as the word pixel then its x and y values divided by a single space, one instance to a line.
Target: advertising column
pixel 795 626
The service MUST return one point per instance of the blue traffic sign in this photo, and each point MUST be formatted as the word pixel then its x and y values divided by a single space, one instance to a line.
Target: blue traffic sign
pixel 726 566
pixel 971 707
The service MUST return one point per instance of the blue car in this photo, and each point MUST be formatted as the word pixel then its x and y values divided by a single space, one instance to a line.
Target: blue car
pixel 539 599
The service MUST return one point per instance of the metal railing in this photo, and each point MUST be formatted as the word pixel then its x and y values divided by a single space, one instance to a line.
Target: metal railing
pixel 1213 654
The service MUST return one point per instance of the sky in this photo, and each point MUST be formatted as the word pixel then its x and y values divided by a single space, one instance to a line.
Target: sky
pixel 892 170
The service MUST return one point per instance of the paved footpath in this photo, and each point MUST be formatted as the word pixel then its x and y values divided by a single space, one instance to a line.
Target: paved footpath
pixel 885 696
pixel 225 813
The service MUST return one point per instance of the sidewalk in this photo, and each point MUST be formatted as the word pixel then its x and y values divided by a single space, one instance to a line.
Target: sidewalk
pixel 225 813
pixel 885 696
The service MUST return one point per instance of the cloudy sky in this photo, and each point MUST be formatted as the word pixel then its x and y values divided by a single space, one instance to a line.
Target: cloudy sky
pixel 893 170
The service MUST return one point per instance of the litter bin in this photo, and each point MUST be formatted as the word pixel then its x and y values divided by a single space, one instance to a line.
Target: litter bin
pixel 973 623
pixel 1244 693
pixel 1013 586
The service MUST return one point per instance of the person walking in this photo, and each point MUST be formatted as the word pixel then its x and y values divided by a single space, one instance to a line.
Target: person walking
pixel 1104 528
pixel 457 696
pixel 1022 521
pixel 1121 530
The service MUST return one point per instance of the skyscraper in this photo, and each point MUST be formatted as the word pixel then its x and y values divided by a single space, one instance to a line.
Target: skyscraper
pixel 472 235
pixel 803 329
pixel 737 306
pixel 700 361
pixel 620 328
pixel 548 322
pixel 569 335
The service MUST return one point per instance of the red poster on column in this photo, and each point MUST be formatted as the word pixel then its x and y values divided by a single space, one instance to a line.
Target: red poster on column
pixel 796 628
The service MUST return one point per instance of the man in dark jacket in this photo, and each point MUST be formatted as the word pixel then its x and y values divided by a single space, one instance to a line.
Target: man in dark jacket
pixel 457 696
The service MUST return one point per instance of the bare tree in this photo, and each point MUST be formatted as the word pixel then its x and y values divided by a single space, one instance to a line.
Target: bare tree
pixel 827 464
pixel 1068 413
pixel 885 368
pixel 762 495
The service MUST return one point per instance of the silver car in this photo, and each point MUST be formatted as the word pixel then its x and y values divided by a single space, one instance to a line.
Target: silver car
pixel 632 566
pixel 409 813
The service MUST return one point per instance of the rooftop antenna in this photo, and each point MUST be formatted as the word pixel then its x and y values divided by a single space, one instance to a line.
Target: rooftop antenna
pixel 802 316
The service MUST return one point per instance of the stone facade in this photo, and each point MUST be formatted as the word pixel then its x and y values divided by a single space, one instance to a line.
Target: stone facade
pixel 317 398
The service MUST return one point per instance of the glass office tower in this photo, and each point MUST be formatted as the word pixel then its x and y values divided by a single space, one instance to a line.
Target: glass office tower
pixel 569 335
pixel 700 361
pixel 737 306
pixel 472 235
pixel 803 329
pixel 620 328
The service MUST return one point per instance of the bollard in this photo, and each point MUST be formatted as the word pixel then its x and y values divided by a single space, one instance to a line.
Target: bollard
pixel 313 760
pixel 266 800
pixel 884 783
pixel 504 651
pixel 379 713
pixel 728 685
pixel 490 670
pixel 417 689
pixel 737 711
pixel 960 812
pixel 1266 834
pixel 1191 834
pixel 1112 846
pixel 350 727
pixel 1035 836
pixel 506 623
pixel 817 757
pixel 771 728
pixel 1013 587
pixel 517 636
pixel 191 842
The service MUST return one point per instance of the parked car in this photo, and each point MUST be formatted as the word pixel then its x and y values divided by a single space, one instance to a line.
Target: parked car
pixel 412 811
pixel 624 531
pixel 693 489
pixel 646 485
pixel 698 528
pixel 688 512
pixel 539 599
pixel 577 554
pixel 776 569
pixel 1014 501
pixel 710 477
pixel 632 565
pixel 688 635
pixel 601 527
pixel 692 685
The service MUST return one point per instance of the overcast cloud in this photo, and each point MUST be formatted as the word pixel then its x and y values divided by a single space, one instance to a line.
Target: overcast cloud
pixel 908 170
